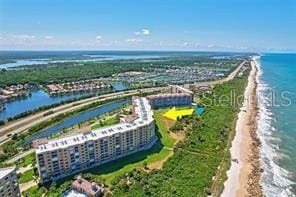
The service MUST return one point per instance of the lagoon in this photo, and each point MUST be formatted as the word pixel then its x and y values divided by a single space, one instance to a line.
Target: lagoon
pixel 76 119
pixel 37 99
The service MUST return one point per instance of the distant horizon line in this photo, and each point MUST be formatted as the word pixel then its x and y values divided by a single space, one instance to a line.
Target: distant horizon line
pixel 142 50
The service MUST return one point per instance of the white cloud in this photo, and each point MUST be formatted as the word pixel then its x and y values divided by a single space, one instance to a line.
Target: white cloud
pixel 24 37
pixel 133 40
pixel 144 32
pixel 211 46
pixel 49 37
pixel 99 37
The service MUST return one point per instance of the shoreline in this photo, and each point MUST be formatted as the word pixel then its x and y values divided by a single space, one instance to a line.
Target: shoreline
pixel 244 175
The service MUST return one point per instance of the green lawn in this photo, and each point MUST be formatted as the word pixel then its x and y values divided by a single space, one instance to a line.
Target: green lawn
pixel 34 191
pixel 133 161
pixel 26 176
pixel 108 122
pixel 27 160
pixel 163 128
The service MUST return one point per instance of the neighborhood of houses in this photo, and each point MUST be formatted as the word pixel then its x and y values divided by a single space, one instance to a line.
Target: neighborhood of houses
pixel 78 86
pixel 11 92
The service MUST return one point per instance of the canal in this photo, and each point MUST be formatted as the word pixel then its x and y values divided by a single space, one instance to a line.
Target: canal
pixel 76 119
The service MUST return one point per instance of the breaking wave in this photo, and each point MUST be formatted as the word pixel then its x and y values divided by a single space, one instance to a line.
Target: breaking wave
pixel 275 180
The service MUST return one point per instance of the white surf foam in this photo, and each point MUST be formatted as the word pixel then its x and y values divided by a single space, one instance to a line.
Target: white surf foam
pixel 275 179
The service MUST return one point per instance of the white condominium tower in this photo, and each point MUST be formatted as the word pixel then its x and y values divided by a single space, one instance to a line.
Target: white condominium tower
pixel 64 156
pixel 8 182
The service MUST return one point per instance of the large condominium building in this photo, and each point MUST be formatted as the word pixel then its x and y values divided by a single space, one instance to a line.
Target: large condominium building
pixel 61 157
pixel 178 96
pixel 8 182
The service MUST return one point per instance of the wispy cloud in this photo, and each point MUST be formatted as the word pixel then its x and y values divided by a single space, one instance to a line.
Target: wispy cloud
pixel 144 32
pixel 133 40
pixel 99 37
pixel 23 37
pixel 49 37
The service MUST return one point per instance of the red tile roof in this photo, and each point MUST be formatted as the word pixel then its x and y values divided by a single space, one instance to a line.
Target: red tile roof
pixel 87 187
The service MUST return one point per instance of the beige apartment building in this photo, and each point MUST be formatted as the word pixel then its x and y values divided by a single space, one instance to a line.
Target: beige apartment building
pixel 61 157
pixel 8 182
pixel 178 96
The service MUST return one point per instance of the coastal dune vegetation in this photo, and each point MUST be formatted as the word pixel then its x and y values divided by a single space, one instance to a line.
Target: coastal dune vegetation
pixel 200 162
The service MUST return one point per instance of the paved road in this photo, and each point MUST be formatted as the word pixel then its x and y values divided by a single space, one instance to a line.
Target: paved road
pixel 25 123
pixel 19 156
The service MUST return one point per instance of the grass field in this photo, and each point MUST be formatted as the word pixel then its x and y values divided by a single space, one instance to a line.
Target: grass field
pixel 27 160
pixel 26 176
pixel 174 113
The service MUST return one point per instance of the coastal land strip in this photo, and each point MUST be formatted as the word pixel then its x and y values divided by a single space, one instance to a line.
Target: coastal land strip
pixel 245 172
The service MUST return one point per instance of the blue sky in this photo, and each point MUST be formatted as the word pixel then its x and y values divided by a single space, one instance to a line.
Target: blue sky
pixel 232 25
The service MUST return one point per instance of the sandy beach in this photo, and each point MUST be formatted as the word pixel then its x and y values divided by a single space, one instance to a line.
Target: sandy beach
pixel 244 173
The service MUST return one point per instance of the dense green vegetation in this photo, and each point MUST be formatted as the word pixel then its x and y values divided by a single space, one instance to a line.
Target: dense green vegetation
pixel 61 72
pixel 73 71
pixel 203 155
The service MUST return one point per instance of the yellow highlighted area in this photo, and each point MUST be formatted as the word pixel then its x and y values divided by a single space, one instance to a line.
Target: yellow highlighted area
pixel 174 113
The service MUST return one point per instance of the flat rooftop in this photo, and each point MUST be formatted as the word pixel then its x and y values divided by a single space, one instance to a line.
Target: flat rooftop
pixel 182 89
pixel 168 95
pixel 5 171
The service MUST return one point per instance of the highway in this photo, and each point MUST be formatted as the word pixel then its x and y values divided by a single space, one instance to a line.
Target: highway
pixel 23 124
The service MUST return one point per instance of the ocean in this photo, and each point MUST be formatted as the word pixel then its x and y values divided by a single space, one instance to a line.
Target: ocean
pixel 277 123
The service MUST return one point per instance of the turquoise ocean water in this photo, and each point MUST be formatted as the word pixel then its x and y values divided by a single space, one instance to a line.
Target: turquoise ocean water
pixel 277 123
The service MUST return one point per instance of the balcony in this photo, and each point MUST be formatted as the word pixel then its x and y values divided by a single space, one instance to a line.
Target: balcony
pixel 54 159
